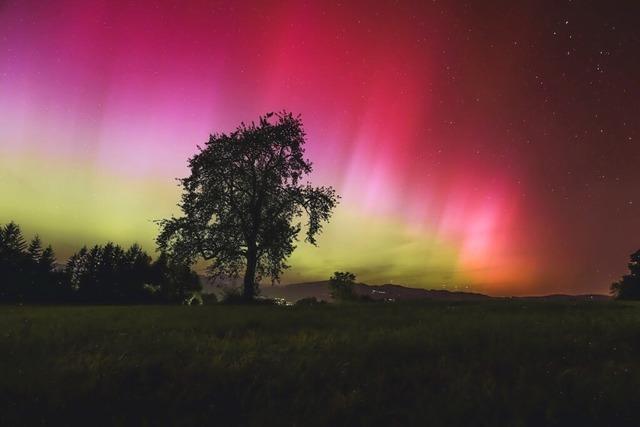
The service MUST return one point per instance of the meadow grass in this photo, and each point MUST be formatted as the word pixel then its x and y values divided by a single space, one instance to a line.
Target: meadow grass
pixel 429 363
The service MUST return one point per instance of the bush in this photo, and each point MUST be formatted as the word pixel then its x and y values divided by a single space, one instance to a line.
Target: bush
pixel 341 286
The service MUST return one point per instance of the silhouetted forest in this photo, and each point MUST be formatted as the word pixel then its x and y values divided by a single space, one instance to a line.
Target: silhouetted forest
pixel 106 274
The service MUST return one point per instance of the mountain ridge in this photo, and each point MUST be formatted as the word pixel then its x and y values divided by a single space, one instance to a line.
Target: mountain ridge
pixel 393 292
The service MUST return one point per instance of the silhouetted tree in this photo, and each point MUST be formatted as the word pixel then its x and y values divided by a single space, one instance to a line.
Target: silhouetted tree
pixel 174 280
pixel 628 287
pixel 35 249
pixel 243 199
pixel 12 238
pixel 135 270
pixel 47 261
pixel 32 289
pixel 14 263
pixel 54 283
pixel 43 281
pixel 341 286
pixel 27 272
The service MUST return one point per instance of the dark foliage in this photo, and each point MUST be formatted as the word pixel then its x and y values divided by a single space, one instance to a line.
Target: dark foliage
pixel 243 201
pixel 341 286
pixel 109 274
pixel 628 287
pixel 28 272
pixel 102 274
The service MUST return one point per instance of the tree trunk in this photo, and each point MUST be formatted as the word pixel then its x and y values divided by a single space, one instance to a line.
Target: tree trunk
pixel 248 290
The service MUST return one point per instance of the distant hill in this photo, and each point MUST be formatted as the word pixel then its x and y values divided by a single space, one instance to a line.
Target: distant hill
pixel 565 297
pixel 298 291
pixel 320 290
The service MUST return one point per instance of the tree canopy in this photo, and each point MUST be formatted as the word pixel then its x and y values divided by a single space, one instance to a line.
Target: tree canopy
pixel 27 271
pixel 341 286
pixel 244 202
pixel 102 274
pixel 628 287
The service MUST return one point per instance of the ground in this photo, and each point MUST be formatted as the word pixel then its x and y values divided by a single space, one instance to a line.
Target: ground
pixel 481 363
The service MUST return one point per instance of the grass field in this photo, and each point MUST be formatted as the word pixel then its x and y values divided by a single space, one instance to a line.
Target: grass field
pixel 490 364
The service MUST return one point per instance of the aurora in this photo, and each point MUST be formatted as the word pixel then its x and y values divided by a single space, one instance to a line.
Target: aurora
pixel 465 154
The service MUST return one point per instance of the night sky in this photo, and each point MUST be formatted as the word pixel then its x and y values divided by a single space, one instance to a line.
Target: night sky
pixel 492 146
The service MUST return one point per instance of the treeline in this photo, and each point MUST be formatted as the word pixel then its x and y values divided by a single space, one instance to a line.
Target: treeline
pixel 106 274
